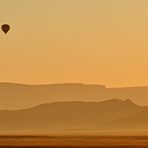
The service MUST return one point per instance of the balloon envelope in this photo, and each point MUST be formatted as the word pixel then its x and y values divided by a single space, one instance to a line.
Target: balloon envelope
pixel 5 28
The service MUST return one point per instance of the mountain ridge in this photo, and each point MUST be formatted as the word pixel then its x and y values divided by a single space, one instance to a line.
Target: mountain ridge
pixel 66 115
pixel 17 96
pixel 137 121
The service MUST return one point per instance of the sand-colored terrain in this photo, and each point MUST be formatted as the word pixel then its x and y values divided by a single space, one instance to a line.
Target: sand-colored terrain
pixel 74 141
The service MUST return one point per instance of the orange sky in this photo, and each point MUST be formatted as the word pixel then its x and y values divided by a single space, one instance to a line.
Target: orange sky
pixel 85 41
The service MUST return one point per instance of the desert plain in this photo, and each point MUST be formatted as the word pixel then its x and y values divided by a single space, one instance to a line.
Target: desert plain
pixel 75 141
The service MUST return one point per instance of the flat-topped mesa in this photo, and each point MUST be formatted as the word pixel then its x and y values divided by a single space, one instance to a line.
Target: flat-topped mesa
pixel 17 96
pixel 54 84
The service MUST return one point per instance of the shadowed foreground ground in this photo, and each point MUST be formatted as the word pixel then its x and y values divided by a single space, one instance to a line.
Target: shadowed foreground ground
pixel 74 141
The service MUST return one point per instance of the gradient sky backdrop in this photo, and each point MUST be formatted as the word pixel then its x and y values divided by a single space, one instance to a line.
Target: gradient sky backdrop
pixel 85 41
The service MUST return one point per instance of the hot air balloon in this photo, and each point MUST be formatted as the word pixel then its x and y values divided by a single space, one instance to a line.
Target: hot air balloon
pixel 5 28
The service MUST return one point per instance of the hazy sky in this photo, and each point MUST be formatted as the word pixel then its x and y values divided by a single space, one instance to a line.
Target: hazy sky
pixel 88 41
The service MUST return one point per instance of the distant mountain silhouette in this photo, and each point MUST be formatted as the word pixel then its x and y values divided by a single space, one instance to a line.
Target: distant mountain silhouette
pixel 17 96
pixel 138 121
pixel 67 116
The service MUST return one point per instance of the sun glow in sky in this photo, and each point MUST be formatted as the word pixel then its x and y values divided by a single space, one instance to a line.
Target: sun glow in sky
pixel 65 41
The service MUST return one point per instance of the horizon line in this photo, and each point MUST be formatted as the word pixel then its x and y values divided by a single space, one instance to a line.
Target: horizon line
pixel 70 83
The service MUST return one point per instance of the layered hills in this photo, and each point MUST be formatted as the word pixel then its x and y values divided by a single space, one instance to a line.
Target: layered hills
pixel 77 116
pixel 17 96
